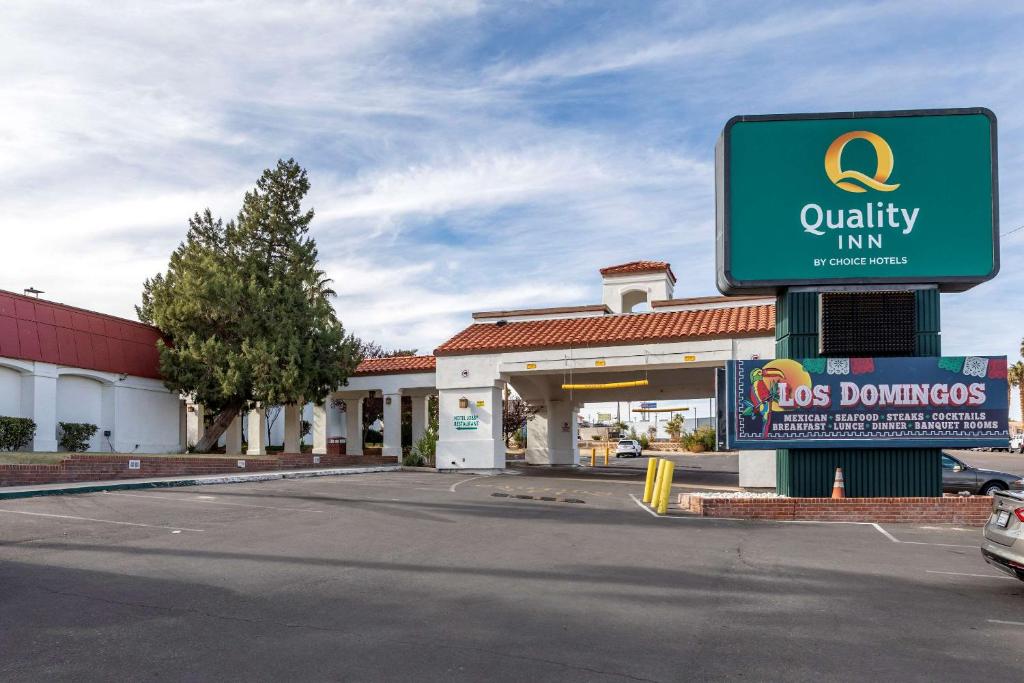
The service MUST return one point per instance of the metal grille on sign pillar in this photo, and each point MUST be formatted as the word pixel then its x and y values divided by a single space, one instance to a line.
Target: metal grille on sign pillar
pixel 863 324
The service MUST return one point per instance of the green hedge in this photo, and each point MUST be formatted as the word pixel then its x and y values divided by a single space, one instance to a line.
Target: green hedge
pixel 16 432
pixel 74 436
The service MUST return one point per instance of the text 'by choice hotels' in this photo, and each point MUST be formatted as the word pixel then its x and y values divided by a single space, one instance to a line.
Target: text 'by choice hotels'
pixel 908 197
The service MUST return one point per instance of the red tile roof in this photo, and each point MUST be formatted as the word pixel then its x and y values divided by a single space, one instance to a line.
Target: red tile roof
pixel 395 365
pixel 38 330
pixel 639 267
pixel 611 330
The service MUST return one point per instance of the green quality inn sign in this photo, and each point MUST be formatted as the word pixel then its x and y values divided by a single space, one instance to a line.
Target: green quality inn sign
pixel 857 198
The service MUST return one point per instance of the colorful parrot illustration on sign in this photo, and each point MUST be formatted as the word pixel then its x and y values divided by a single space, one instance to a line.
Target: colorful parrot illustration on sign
pixel 764 391
pixel 762 395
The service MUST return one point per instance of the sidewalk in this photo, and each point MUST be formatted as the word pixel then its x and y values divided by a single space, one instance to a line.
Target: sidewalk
pixel 9 492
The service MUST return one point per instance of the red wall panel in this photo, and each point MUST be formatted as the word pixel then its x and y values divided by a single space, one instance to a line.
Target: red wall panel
pixel 29 340
pixel 9 344
pixel 39 330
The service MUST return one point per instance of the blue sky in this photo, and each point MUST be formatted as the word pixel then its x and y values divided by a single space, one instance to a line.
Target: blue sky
pixel 464 155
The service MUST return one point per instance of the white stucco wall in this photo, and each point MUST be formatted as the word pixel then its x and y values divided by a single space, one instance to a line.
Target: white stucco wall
pixel 80 399
pixel 147 417
pixel 643 286
pixel 136 410
pixel 10 392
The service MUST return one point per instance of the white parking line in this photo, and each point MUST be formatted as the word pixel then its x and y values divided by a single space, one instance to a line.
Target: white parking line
pixel 1007 623
pixel 980 576
pixel 940 545
pixel 475 477
pixel 876 526
pixel 643 506
pixel 104 521
pixel 203 500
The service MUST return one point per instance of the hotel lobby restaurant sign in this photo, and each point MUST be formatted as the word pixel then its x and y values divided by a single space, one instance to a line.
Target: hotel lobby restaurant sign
pixel 857 198
pixel 867 402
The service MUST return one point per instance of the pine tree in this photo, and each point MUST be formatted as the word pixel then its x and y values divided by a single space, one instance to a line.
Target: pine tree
pixel 245 309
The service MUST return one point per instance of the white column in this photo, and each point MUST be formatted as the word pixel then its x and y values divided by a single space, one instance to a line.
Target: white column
pixel 392 425
pixel 419 417
pixel 335 420
pixel 182 425
pixel 551 437
pixel 354 426
pixel 39 398
pixel 194 425
pixel 470 437
pixel 257 431
pixel 292 428
pixel 320 413
pixel 233 437
pixel 537 437
pixel 757 469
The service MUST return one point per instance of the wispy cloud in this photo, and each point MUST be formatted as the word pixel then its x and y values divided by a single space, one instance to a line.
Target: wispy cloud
pixel 464 155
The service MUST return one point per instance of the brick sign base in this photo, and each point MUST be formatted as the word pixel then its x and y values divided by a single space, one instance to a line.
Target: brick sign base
pixel 966 511
pixel 103 467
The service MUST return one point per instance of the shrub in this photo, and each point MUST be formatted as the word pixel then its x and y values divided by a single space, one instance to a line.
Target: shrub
pixel 423 451
pixel 645 442
pixel 74 436
pixel 16 432
pixel 708 438
pixel 373 436
pixel 702 439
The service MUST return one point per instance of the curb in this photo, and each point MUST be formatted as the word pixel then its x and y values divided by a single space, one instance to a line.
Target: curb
pixel 77 487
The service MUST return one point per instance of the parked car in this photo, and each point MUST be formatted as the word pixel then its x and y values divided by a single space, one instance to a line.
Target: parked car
pixel 628 448
pixel 1003 544
pixel 958 476
pixel 1017 444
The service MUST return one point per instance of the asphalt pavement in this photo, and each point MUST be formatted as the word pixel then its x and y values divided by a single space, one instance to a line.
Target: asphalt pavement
pixel 421 576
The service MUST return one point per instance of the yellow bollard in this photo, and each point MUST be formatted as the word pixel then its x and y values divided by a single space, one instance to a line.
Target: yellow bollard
pixel 593 457
pixel 652 470
pixel 656 495
pixel 606 449
pixel 666 483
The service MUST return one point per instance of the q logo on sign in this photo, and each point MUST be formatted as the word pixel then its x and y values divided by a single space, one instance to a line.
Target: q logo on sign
pixel 841 178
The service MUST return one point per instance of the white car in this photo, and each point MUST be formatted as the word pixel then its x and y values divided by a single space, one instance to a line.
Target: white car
pixel 1017 443
pixel 628 448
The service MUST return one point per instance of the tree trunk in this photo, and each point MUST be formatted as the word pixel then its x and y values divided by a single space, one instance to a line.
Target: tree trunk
pixel 1020 395
pixel 220 425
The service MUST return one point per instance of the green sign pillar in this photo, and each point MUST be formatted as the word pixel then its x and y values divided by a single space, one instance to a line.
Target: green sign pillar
pixel 869 472
pixel 857 201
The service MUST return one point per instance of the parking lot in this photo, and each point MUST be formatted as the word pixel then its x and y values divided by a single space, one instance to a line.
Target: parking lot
pixel 415 575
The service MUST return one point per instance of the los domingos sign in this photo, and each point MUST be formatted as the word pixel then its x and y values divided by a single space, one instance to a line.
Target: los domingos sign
pixel 857 198
pixel 857 402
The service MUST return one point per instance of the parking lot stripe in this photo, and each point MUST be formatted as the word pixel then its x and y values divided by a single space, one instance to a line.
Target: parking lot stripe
pixel 643 507
pixel 1007 623
pixel 980 576
pixel 876 526
pixel 104 521
pixel 941 545
pixel 463 481
pixel 204 500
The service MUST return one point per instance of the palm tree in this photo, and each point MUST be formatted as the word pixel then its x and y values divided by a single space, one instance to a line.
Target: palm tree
pixel 1015 377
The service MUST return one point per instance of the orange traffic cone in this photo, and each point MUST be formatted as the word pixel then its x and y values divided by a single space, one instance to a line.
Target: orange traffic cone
pixel 839 488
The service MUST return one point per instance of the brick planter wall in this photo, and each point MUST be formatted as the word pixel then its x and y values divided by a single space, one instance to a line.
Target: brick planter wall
pixel 968 511
pixel 78 467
